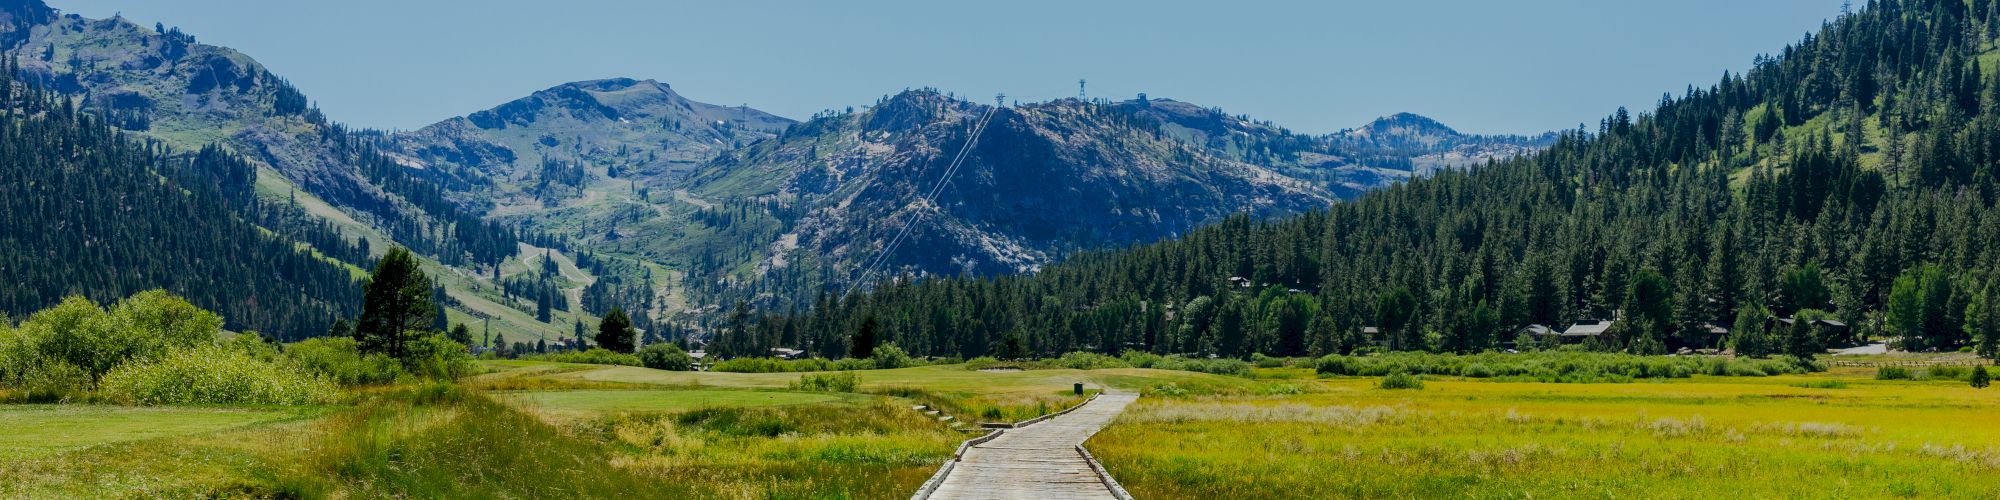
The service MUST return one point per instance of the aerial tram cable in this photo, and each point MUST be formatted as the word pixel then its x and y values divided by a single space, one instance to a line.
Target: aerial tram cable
pixel 931 196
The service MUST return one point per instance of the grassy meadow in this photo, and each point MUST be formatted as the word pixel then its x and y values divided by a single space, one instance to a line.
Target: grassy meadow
pixel 544 429
pixel 1837 434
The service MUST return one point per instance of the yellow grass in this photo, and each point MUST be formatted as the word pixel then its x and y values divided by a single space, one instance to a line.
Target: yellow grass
pixel 1699 437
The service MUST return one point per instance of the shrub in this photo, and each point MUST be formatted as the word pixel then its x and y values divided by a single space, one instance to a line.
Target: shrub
pixel 438 357
pixel 594 356
pixel 1141 359
pixel 1558 366
pixel 1262 361
pixel 340 359
pixel 79 333
pixel 664 356
pixel 1892 373
pixel 214 375
pixel 888 356
pixel 53 380
pixel 829 382
pixel 1980 378
pixel 1218 366
pixel 1168 389
pixel 774 365
pixel 1089 361
pixel 1947 372
pixel 1402 380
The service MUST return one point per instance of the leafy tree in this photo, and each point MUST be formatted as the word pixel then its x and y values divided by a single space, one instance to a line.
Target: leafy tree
pixel 1804 338
pixel 1748 337
pixel 1982 323
pixel 614 332
pixel 1650 303
pixel 1918 307
pixel 1396 314
pixel 396 305
pixel 665 356
pixel 1802 289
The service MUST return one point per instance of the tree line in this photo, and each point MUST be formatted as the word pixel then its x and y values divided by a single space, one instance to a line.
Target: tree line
pixel 87 210
pixel 1851 177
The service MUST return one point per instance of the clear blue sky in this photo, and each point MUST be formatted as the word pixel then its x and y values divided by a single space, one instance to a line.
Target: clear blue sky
pixel 1313 66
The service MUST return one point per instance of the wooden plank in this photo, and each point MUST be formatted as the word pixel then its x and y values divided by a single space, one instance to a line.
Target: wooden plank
pixel 1038 462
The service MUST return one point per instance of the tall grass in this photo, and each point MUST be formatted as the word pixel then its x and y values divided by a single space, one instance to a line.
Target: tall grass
pixel 215 375
pixel 1131 359
pixel 596 356
pixel 1561 366
pixel 774 365
pixel 440 441
pixel 1672 439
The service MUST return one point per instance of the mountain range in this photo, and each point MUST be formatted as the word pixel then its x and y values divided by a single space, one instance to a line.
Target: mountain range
pixel 627 181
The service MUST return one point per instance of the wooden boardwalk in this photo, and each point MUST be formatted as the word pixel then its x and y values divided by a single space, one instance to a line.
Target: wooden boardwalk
pixel 1038 462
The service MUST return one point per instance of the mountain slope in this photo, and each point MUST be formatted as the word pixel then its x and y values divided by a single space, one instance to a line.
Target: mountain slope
pixel 85 210
pixel 638 129
pixel 1854 178
pixel 1043 180
pixel 1418 144
pixel 161 84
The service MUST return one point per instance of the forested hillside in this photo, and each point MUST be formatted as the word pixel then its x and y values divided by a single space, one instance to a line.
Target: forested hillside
pixel 1852 175
pixel 86 210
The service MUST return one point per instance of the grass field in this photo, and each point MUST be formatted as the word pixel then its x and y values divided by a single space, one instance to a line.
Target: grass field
pixel 36 430
pixel 1825 435
pixel 608 400
pixel 540 429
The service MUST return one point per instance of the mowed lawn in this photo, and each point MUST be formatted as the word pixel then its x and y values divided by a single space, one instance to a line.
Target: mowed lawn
pixel 30 431
pixel 1706 437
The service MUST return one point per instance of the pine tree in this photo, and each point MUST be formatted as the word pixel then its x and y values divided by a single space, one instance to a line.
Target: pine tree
pixel 864 339
pixel 461 334
pixel 614 332
pixel 396 305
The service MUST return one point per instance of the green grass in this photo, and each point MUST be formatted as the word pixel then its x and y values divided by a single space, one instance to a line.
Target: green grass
pixel 601 400
pixel 1704 437
pixel 39 430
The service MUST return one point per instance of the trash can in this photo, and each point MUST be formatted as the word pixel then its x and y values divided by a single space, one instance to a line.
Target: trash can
pixel 1078 388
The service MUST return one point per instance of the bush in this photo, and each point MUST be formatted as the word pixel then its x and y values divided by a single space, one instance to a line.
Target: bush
pixel 594 356
pixel 214 375
pixel 1558 366
pixel 1946 372
pixel 1262 361
pixel 144 326
pixel 1089 361
pixel 1402 380
pixel 438 357
pixel 829 382
pixel 53 380
pixel 664 356
pixel 340 359
pixel 888 356
pixel 1892 373
pixel 1980 378
pixel 1141 359
pixel 774 365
